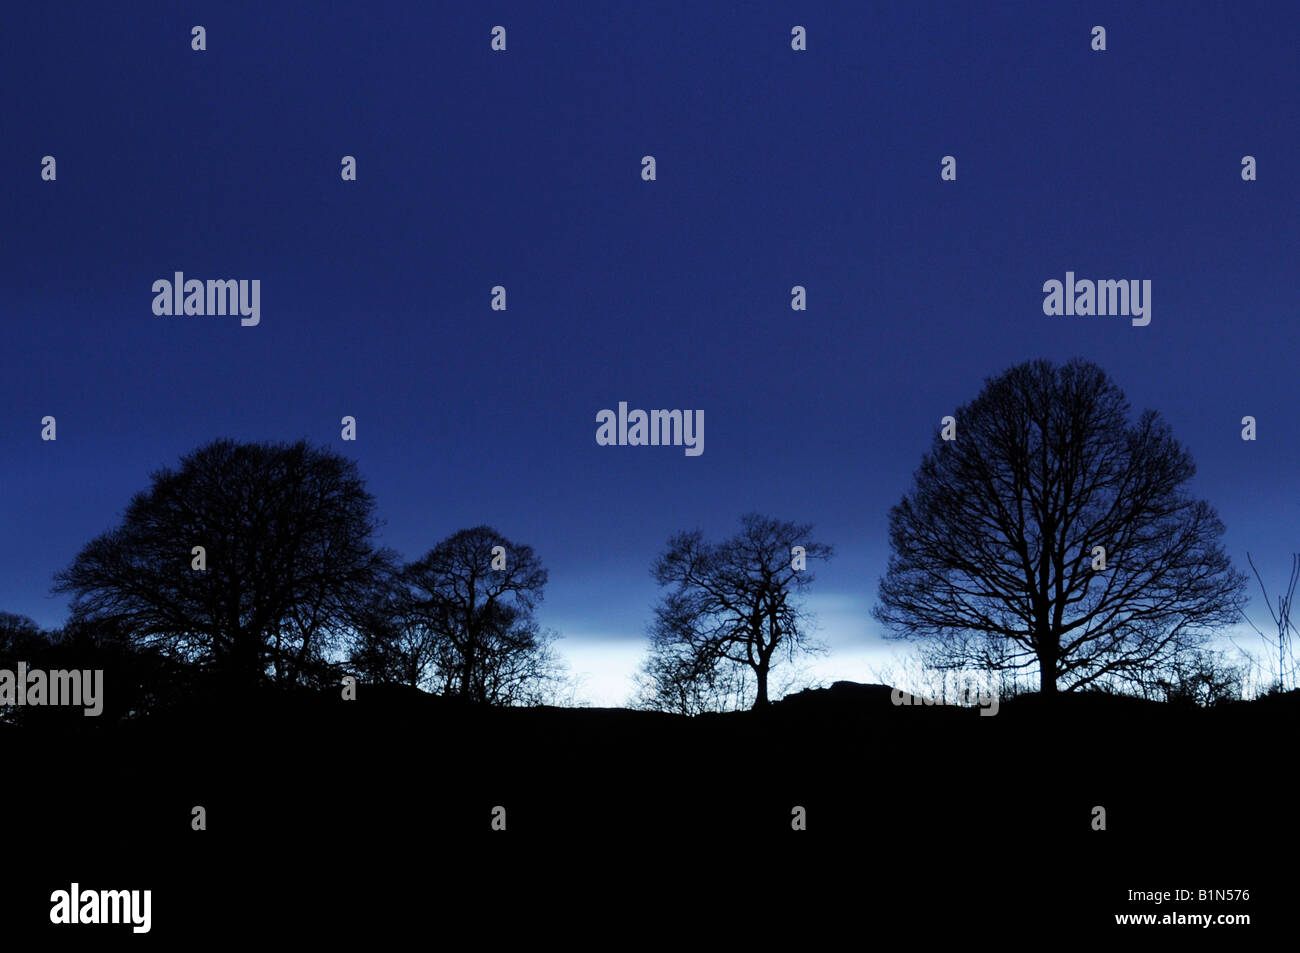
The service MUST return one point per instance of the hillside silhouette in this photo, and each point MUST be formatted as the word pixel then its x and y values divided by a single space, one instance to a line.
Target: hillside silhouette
pixel 400 781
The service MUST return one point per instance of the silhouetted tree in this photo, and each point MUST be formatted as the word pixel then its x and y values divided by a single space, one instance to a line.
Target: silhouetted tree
pixel 732 614
pixel 133 681
pixel 466 629
pixel 1203 677
pixel 993 548
pixel 1284 674
pixel 17 634
pixel 679 683
pixel 21 640
pixel 286 531
pixel 386 650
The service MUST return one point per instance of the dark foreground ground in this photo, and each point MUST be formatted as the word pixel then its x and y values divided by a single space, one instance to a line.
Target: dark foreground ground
pixel 368 824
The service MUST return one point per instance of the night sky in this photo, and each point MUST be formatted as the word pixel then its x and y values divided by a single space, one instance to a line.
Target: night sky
pixel 775 168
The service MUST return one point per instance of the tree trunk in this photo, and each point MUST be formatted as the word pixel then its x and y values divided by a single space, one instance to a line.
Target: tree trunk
pixel 1047 670
pixel 761 673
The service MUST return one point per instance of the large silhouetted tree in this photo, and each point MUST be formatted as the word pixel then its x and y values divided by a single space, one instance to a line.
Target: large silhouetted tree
pixel 463 621
pixel 995 561
pixel 286 532
pixel 733 611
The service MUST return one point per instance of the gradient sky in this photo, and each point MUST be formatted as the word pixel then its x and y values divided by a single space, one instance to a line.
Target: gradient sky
pixel 522 169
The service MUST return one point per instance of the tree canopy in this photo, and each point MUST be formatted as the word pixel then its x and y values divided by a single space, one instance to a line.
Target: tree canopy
pixel 1054 533
pixel 247 560
pixel 732 615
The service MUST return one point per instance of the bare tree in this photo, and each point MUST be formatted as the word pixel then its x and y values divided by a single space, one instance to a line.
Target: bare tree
pixel 21 640
pixel 1053 533
pixel 676 683
pixel 1284 674
pixel 388 648
pixel 18 633
pixel 1203 677
pixel 287 554
pixel 732 615
pixel 465 625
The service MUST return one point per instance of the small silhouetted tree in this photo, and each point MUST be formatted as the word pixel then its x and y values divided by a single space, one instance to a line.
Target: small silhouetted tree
pixel 993 549
pixel 1283 675
pixel 21 640
pixel 135 680
pixel 466 629
pixel 387 650
pixel 677 682
pixel 287 537
pixel 18 633
pixel 732 614
pixel 1204 677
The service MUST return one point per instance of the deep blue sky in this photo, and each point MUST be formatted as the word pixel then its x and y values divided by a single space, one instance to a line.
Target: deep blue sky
pixel 522 168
